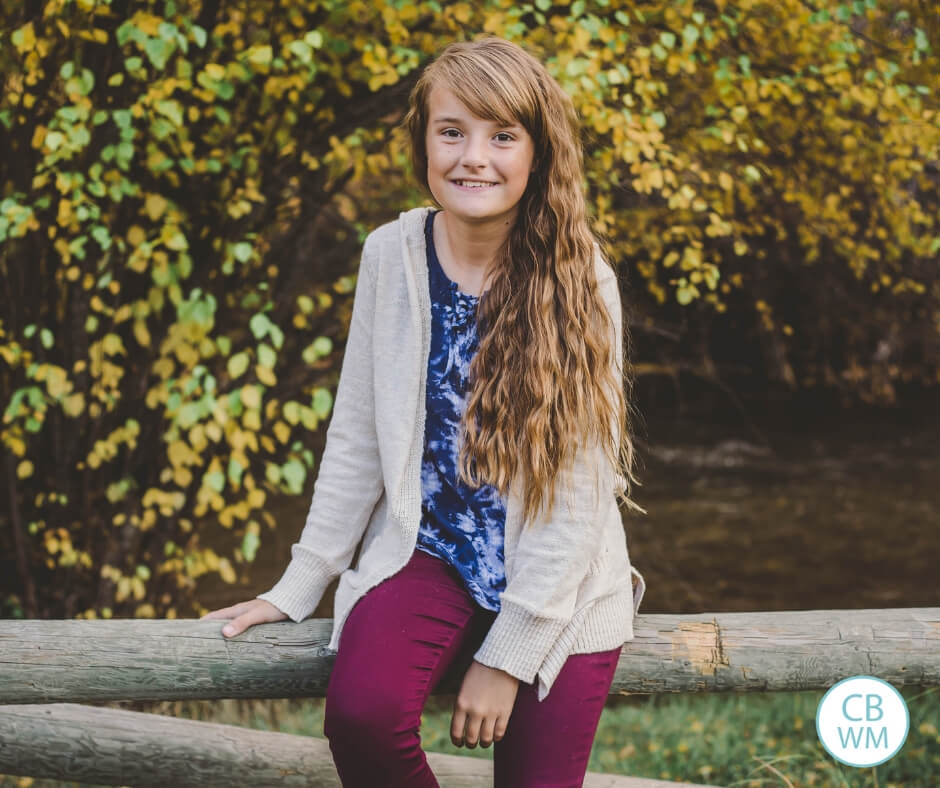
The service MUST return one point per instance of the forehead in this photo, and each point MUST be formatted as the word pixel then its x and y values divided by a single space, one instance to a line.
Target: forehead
pixel 445 107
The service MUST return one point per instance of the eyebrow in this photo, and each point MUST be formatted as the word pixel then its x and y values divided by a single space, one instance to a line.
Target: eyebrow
pixel 458 120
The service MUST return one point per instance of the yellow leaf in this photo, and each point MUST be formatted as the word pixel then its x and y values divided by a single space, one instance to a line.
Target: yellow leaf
pixel 136 235
pixel 141 334
pixel 282 432
pixel 226 572
pixel 260 55
pixel 113 344
pixel 24 38
pixel 147 23
pixel 265 375
pixel 155 205
pixel 251 397
pixel 17 446
pixel 252 420
pixel 24 469
pixel 179 453
pixel 292 412
pixel 462 13
pixel 309 418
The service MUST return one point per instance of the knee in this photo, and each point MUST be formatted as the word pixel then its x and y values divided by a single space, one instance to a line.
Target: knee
pixel 367 719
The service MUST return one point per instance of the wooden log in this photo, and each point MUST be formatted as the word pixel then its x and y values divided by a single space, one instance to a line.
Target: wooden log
pixel 134 659
pixel 105 746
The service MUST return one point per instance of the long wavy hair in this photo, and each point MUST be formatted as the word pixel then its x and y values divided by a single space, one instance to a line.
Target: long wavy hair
pixel 548 378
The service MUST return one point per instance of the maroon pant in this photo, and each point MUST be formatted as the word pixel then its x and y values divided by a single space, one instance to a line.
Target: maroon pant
pixel 399 640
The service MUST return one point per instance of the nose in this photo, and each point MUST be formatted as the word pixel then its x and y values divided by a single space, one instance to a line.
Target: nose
pixel 474 152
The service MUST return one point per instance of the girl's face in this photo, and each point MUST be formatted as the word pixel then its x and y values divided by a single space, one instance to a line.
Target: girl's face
pixel 462 147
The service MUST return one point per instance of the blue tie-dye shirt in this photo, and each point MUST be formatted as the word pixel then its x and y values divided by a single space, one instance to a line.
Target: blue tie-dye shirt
pixel 459 524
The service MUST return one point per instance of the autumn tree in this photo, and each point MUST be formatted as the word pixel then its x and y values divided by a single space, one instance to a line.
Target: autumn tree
pixel 186 187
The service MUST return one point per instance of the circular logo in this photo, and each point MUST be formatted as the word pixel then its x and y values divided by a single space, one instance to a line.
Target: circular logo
pixel 862 721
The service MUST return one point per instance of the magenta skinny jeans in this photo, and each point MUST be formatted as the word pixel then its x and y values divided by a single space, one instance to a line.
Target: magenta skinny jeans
pixel 397 643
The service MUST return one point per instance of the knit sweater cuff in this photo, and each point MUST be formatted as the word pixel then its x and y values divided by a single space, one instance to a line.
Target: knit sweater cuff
pixel 301 587
pixel 518 641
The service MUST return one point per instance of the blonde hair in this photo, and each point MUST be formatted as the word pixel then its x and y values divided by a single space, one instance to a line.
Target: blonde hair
pixel 543 379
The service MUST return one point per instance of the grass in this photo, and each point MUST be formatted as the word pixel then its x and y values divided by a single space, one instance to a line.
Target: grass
pixel 742 740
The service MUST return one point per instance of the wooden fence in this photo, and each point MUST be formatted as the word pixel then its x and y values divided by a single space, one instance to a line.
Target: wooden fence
pixel 49 668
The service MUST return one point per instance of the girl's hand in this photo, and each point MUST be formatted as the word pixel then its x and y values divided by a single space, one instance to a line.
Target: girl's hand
pixel 246 614
pixel 483 706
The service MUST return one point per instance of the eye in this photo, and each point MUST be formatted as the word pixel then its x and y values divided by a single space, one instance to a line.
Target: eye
pixel 506 134
pixel 445 131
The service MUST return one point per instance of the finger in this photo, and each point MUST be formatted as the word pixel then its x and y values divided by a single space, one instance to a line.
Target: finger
pixel 216 614
pixel 500 730
pixel 456 727
pixel 245 619
pixel 486 730
pixel 243 622
pixel 473 731
pixel 227 612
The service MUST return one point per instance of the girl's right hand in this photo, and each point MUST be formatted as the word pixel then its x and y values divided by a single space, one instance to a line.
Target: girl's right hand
pixel 246 614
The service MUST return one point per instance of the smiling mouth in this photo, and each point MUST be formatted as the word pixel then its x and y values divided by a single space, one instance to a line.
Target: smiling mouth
pixel 473 184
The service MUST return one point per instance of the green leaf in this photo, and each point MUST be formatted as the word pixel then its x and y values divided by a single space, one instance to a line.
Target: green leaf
pixel 235 470
pixel 259 324
pixel 242 252
pixel 321 402
pixel 250 544
pixel 294 474
pixel 277 336
pixel 189 414
pixel 266 356
pixel 215 481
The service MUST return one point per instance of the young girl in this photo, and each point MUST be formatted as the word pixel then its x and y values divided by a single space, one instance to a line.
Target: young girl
pixel 484 368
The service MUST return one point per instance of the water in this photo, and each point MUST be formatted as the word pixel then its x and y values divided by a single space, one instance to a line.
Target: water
pixel 792 507
pixel 823 509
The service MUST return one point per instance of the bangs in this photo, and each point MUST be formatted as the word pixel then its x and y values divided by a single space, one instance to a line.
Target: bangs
pixel 492 94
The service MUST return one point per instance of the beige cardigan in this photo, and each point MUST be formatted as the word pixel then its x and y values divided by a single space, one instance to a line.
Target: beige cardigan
pixel 569 586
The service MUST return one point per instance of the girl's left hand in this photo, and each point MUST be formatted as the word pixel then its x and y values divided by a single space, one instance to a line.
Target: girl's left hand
pixel 483 706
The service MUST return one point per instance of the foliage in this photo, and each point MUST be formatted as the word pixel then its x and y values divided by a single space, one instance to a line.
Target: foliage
pixel 187 184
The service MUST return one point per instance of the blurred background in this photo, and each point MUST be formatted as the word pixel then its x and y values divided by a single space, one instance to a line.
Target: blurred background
pixel 185 191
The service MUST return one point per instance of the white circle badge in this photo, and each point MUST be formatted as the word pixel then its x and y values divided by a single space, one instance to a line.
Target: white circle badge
pixel 862 721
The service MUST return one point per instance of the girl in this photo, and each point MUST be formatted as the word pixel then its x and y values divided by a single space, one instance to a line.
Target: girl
pixel 484 368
